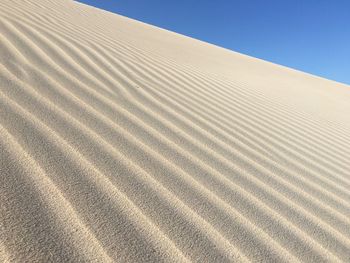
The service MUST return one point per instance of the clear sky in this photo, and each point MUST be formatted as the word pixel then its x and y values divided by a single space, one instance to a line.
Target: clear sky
pixel 309 35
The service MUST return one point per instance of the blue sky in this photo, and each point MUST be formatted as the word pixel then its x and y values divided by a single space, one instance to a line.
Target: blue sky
pixel 309 35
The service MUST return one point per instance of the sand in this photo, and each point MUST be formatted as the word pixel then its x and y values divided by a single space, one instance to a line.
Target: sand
pixel 124 142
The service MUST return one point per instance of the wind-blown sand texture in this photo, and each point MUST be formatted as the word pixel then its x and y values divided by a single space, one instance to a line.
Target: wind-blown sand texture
pixel 123 142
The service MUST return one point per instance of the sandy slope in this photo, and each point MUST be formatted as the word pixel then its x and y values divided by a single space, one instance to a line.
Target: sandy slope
pixel 120 141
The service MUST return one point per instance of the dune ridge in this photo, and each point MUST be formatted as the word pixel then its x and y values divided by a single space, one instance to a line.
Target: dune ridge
pixel 123 142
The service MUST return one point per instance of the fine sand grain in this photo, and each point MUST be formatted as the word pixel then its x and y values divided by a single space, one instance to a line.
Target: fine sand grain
pixel 123 142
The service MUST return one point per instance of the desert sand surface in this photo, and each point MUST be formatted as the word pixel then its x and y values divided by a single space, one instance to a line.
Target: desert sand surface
pixel 124 142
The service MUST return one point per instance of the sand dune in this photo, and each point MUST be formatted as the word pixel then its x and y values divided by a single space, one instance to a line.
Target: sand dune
pixel 123 142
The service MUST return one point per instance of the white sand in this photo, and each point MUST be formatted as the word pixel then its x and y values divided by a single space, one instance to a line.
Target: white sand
pixel 123 142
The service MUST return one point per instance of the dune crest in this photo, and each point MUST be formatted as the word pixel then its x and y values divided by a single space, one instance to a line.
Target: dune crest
pixel 124 142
